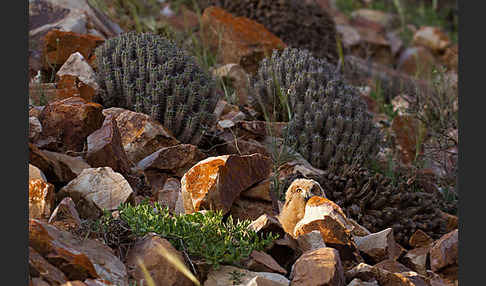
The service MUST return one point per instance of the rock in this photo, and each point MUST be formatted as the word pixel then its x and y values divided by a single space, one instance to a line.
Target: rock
pixel 349 36
pixel 38 159
pixel 259 192
pixel 417 61
pixel 67 123
pixel 77 259
pixel 36 281
pixel 44 93
pixel 74 283
pixel 239 40
pixel 41 267
pixel 420 239
pixel 140 135
pixel 262 262
pixel 266 223
pixel 230 275
pixel 412 278
pixel 36 173
pixel 358 230
pixel 408 132
pixel 160 269
pixel 452 221
pixel 263 128
pixel 327 217
pixel 183 21
pixel 248 209
pixel 432 38
pixel 66 167
pixel 392 266
pixel 318 267
pixel 170 192
pixel 105 148
pixel 310 241
pixel 35 128
pixel 379 246
pixel 97 189
pixel 369 273
pixel 385 20
pixel 451 57
pixel 372 44
pixel 396 43
pixel 239 78
pixel 215 183
pixel 444 252
pixel 97 282
pixel 82 74
pixel 175 160
pixel 65 210
pixel 41 199
pixel 359 282
pixel 59 45
pixel 416 259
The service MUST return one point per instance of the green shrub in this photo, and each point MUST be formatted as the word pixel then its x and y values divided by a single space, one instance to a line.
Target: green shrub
pixel 201 235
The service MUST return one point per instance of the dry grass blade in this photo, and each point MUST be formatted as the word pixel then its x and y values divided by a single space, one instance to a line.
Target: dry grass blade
pixel 148 278
pixel 179 265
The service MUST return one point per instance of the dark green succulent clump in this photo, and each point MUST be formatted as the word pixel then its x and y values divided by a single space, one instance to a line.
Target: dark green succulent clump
pixel 298 24
pixel 282 80
pixel 150 74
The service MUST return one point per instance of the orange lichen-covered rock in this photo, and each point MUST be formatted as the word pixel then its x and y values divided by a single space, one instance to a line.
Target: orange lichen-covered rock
pixel 238 39
pixel 215 183
pixel 59 45
pixel 41 198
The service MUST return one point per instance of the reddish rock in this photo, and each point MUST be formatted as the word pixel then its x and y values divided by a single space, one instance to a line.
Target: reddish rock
pixel 42 268
pixel 259 192
pixel 381 19
pixel 420 239
pixel 97 282
pixel 247 209
pixel 105 148
pixel 416 259
pixel 451 57
pixel 74 283
pixel 266 223
pixel 452 221
pixel 444 251
pixel 372 43
pixel 184 20
pixel 379 246
pixel 262 262
pixel 77 259
pixel 310 241
pixel 392 266
pixel 59 45
pixel 41 199
pixel 66 167
pixel 239 40
pixel 432 38
pixel 368 273
pixel 162 271
pixel 43 93
pixel 67 123
pixel 216 182
pixel 408 132
pixel 239 78
pixel 175 160
pixel 77 77
pixel 41 161
pixel 319 267
pixel 140 135
pixel 37 281
pixel 417 61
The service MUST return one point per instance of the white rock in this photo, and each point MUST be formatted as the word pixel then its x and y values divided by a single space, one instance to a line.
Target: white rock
pixel 77 66
pixel 226 275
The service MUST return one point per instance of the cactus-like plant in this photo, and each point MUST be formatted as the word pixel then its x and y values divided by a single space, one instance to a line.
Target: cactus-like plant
pixel 282 80
pixel 150 74
pixel 300 24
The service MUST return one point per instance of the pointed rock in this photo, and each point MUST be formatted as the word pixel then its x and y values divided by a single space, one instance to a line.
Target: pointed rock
pixel 97 189
pixel 318 267
pixel 77 259
pixel 66 210
pixel 444 251
pixel 42 268
pixel 162 271
pixel 216 182
pixel 379 246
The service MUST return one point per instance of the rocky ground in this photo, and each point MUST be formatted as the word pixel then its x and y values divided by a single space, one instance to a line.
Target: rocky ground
pixel 100 177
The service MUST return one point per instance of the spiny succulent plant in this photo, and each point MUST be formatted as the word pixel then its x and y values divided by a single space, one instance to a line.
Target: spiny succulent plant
pixel 282 80
pixel 150 74
pixel 299 24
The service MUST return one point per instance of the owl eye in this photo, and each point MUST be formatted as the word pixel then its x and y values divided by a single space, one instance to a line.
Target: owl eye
pixel 299 190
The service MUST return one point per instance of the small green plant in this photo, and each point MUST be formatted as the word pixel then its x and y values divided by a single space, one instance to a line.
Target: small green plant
pixel 202 235
pixel 384 107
